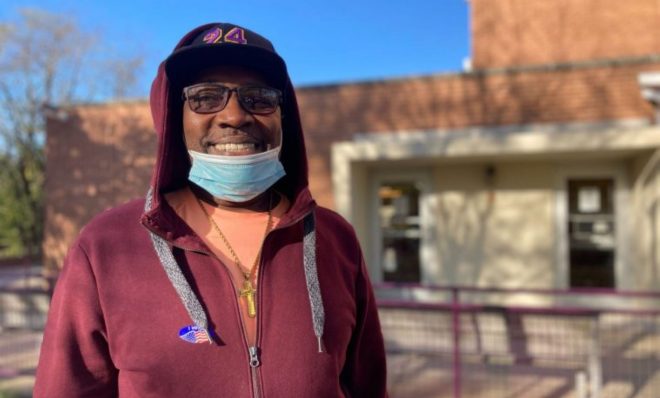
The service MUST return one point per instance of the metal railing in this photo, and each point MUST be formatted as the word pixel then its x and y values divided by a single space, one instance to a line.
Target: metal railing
pixel 491 342
pixel 459 341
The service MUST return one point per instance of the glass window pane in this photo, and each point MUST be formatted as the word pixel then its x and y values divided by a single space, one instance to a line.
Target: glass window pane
pixel 399 223
pixel 591 229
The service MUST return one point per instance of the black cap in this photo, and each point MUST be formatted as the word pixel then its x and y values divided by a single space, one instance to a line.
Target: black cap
pixel 226 44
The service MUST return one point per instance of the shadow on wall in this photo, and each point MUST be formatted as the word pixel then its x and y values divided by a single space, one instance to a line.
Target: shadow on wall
pixel 98 157
pixel 495 236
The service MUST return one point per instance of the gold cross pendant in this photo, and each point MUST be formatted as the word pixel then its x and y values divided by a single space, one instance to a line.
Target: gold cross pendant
pixel 248 292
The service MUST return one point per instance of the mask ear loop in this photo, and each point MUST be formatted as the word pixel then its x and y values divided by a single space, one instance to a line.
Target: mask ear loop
pixel 279 153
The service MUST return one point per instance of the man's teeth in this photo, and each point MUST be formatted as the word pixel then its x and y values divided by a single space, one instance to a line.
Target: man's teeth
pixel 235 147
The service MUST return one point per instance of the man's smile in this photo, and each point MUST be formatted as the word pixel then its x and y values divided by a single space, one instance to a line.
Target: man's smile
pixel 232 144
pixel 234 149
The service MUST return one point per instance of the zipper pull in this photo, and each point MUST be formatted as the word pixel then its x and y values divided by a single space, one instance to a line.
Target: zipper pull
pixel 254 357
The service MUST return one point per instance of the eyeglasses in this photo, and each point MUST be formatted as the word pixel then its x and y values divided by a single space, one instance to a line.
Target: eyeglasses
pixel 213 97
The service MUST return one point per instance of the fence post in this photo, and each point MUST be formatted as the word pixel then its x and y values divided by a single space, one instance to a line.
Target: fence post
pixel 456 332
pixel 581 385
pixel 594 364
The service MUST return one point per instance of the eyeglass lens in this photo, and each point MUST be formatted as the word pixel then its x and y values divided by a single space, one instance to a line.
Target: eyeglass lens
pixel 207 98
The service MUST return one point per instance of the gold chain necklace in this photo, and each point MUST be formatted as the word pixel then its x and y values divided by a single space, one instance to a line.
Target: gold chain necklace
pixel 248 291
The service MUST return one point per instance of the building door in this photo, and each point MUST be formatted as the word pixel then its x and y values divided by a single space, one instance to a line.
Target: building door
pixel 591 230
pixel 399 223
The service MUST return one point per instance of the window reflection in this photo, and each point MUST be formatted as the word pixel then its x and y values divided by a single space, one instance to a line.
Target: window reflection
pixel 400 231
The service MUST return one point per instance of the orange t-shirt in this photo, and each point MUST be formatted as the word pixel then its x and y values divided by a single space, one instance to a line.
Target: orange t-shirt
pixel 244 229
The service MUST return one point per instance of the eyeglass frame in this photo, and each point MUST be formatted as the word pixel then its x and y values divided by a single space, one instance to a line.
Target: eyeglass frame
pixel 230 90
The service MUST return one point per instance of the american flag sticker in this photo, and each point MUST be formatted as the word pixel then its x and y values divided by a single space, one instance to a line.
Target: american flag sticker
pixel 195 334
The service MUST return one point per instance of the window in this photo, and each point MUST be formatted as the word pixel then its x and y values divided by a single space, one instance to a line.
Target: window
pixel 399 221
pixel 591 230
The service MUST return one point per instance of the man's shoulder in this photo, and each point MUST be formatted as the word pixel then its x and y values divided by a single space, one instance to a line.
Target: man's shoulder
pixel 328 215
pixel 118 219
pixel 333 221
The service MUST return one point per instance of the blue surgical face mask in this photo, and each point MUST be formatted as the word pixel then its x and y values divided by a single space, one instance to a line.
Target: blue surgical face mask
pixel 236 178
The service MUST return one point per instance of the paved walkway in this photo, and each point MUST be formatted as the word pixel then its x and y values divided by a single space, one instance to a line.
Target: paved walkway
pixel 19 351
pixel 419 344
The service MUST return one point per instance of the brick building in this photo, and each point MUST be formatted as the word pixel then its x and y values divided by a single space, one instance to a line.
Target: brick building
pixel 539 167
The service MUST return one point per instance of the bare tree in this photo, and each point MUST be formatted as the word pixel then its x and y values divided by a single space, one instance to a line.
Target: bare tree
pixel 46 61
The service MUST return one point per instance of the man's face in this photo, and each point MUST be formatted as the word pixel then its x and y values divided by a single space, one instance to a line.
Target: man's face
pixel 232 130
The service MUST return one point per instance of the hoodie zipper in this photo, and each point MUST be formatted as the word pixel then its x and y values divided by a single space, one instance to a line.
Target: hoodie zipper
pixel 253 351
pixel 254 371
pixel 254 361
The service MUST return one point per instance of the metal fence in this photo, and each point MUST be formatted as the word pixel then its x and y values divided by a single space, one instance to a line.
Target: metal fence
pixel 471 342
pixel 452 341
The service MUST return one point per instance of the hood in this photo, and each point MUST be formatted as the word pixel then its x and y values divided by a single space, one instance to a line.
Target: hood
pixel 172 161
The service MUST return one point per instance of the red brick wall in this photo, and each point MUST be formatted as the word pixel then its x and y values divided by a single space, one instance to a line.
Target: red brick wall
pixel 99 157
pixel 521 32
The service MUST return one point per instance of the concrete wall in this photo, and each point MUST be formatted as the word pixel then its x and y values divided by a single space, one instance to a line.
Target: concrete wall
pixel 645 264
pixel 497 233
pixel 497 204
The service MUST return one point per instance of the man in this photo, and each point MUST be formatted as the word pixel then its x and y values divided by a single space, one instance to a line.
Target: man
pixel 228 280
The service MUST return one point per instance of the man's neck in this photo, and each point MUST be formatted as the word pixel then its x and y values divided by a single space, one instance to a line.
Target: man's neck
pixel 262 203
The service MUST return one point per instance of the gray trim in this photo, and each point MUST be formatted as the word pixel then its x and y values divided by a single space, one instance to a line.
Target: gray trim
pixel 178 280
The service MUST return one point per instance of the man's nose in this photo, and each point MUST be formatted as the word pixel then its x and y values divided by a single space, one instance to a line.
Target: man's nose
pixel 233 114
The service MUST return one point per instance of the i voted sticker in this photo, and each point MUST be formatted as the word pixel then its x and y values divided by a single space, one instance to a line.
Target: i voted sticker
pixel 195 334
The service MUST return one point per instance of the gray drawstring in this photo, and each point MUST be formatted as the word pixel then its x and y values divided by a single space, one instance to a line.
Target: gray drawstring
pixel 178 280
pixel 194 307
pixel 312 278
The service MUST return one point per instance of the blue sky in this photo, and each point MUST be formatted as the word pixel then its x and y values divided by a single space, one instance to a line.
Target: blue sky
pixel 322 41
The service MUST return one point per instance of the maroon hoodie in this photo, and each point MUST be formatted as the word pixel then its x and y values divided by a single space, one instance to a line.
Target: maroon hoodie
pixel 117 311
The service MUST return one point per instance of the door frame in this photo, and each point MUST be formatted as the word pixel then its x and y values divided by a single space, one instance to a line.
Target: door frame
pixel 621 216
pixel 427 247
